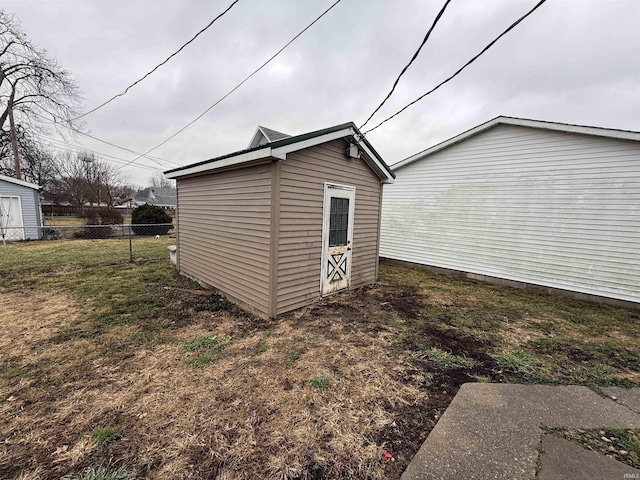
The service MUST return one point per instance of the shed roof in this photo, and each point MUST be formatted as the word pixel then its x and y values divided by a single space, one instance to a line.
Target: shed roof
pixel 265 135
pixel 19 182
pixel 522 122
pixel 280 148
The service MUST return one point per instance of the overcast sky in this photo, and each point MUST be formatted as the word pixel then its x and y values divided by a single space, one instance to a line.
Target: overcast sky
pixel 574 61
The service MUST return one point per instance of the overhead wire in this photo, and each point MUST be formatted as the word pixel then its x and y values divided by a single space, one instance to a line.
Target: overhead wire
pixel 155 159
pixel 237 86
pixel 158 160
pixel 493 42
pixel 124 92
pixel 406 67
pixel 72 148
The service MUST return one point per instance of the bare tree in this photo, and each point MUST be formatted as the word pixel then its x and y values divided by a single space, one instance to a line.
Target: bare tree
pixel 33 87
pixel 122 192
pixel 39 165
pixel 71 185
pixel 86 179
pixel 158 180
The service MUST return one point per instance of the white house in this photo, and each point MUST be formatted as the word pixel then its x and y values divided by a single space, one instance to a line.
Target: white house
pixel 525 203
pixel 20 212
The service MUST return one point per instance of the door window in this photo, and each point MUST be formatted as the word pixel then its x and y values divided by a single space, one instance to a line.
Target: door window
pixel 338 221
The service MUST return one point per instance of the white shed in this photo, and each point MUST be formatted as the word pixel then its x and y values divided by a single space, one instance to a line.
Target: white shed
pixel 524 203
pixel 20 212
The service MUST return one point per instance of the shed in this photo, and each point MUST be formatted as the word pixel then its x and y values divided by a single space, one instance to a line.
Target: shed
pixel 528 203
pixel 284 222
pixel 20 211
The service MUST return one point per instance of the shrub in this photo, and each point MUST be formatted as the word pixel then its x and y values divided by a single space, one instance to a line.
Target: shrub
pixel 93 232
pixel 99 216
pixel 110 216
pixel 152 216
pixel 91 217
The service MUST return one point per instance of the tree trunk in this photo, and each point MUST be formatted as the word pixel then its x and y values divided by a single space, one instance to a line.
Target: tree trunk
pixel 14 141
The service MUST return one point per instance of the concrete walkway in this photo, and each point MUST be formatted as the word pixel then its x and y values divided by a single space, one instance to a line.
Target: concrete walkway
pixel 492 431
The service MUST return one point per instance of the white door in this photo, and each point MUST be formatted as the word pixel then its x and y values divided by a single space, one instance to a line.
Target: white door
pixel 337 237
pixel 11 219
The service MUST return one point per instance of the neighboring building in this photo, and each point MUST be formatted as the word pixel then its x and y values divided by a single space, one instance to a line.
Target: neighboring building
pixel 279 225
pixel 20 211
pixel 160 197
pixel 523 202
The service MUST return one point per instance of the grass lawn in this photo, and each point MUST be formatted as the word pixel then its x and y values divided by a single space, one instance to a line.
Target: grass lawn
pixel 75 221
pixel 131 371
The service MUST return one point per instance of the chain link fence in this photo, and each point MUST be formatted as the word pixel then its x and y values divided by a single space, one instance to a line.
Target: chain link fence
pixel 58 233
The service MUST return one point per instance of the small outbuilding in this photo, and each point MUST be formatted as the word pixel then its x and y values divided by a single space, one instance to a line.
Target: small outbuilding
pixel 527 203
pixel 284 222
pixel 20 211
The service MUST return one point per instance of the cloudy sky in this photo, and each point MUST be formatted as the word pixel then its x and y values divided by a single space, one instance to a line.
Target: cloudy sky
pixel 574 61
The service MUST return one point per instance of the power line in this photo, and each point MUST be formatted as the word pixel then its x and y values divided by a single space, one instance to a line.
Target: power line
pixel 415 55
pixel 156 159
pixel 75 130
pixel 511 27
pixel 77 149
pixel 159 65
pixel 236 87
pixel 72 148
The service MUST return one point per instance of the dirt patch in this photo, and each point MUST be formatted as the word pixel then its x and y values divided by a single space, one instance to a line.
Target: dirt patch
pixel 405 301
pixel 32 316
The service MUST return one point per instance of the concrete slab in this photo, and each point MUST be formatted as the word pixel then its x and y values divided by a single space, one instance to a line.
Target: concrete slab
pixel 492 430
pixel 562 459
pixel 629 397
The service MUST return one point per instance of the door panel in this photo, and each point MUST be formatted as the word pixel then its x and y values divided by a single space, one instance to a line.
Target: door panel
pixel 11 219
pixel 337 242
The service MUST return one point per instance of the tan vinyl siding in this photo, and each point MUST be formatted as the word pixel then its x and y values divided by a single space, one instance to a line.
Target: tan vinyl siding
pixel 224 225
pixel 302 179
pixel 530 205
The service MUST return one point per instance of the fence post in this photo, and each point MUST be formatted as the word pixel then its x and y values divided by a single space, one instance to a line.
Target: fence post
pixel 130 247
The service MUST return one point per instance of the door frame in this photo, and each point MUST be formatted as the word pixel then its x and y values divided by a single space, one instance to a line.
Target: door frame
pixel 21 227
pixel 349 192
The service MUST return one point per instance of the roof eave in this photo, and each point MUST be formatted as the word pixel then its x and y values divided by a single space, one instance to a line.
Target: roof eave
pixel 22 183
pixel 217 165
pixel 522 122
pixel 280 148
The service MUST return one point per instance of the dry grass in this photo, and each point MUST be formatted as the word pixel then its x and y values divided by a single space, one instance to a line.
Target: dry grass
pixel 249 414
pixel 75 221
pixel 90 341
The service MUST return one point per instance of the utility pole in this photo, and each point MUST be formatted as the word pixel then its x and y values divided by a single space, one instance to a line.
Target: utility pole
pixel 14 140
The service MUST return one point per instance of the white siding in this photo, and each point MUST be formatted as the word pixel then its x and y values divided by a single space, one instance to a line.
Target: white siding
pixel 30 206
pixel 544 207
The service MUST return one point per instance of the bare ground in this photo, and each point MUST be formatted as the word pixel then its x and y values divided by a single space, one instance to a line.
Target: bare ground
pixel 80 351
pixel 250 414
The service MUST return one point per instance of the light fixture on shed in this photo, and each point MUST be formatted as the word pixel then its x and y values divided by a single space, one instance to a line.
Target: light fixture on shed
pixel 353 151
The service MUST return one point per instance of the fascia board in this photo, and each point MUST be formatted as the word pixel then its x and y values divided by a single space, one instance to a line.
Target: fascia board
pixel 226 162
pixel 311 142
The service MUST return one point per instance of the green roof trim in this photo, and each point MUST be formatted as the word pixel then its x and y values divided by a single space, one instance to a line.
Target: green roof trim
pixel 292 140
